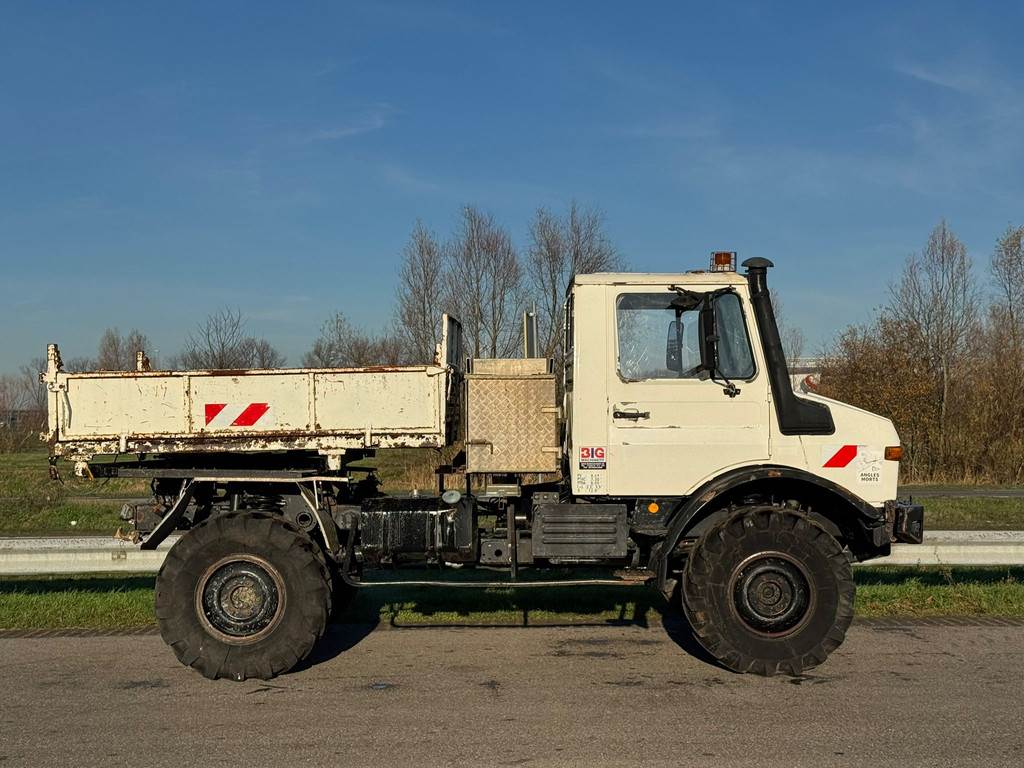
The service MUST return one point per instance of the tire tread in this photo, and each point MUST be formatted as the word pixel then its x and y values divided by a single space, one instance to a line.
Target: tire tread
pixel 703 579
pixel 302 625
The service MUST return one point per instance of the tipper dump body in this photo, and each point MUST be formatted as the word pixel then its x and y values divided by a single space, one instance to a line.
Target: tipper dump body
pixel 328 410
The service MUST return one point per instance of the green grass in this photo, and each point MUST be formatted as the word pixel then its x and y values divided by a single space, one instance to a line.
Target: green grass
pixel 87 602
pixel 19 518
pixel 27 475
pixel 123 603
pixel 946 513
pixel 940 591
pixel 33 504
pixel 401 470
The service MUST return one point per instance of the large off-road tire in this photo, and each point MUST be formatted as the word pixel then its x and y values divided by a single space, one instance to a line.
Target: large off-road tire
pixel 243 595
pixel 768 590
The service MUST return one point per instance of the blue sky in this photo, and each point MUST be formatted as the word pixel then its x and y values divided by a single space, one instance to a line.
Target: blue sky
pixel 160 161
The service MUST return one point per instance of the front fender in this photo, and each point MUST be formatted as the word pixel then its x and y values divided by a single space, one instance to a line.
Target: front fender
pixel 866 521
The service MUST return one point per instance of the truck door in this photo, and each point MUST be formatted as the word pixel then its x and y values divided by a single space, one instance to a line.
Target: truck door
pixel 671 427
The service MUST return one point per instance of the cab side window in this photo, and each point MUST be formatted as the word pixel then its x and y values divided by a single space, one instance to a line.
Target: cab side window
pixel 659 337
pixel 646 324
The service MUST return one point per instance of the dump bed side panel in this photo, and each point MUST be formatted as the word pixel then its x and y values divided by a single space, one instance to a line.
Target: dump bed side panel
pixel 186 411
pixel 275 402
pixel 113 406
pixel 393 401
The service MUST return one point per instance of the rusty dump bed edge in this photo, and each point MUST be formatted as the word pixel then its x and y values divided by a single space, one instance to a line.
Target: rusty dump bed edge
pixel 329 410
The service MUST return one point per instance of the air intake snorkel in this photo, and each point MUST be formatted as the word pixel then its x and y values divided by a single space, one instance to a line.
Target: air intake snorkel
pixel 796 415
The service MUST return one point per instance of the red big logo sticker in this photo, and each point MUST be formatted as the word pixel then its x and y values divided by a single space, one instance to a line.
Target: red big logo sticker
pixel 592 457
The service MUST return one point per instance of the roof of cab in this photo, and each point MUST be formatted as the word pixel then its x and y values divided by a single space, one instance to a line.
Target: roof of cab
pixel 660 278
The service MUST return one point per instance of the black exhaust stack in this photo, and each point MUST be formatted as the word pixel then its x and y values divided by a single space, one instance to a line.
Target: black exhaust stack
pixel 796 415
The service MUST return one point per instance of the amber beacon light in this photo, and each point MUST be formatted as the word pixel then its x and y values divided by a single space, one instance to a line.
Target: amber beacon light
pixel 723 261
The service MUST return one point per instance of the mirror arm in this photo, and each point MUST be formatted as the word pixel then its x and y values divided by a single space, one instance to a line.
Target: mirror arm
pixel 710 346
pixel 728 388
pixel 693 296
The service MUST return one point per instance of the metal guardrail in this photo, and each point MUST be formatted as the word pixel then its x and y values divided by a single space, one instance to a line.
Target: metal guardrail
pixel 86 555
pixel 63 555
pixel 959 548
pixel 80 561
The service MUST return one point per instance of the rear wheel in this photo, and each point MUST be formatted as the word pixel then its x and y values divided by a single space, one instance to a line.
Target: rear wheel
pixel 768 590
pixel 243 595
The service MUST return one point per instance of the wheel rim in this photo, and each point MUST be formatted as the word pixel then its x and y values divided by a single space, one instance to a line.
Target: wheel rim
pixel 771 593
pixel 240 599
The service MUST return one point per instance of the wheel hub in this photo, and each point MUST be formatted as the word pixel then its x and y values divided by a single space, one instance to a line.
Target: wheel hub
pixel 240 598
pixel 771 593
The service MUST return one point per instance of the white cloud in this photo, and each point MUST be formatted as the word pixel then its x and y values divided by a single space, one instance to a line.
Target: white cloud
pixel 963 81
pixel 702 126
pixel 963 139
pixel 372 120
pixel 405 180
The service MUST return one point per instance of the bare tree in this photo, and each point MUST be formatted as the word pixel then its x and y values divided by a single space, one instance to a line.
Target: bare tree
pixel 858 368
pixel 936 300
pixel 33 391
pixel 420 295
pixel 22 407
pixel 79 364
pixel 117 352
pixel 341 345
pixel 485 285
pixel 792 337
pixel 262 354
pixel 13 434
pixel 330 347
pixel 560 248
pixel 1007 268
pixel 222 342
pixel 945 365
pixel 996 409
pixel 792 343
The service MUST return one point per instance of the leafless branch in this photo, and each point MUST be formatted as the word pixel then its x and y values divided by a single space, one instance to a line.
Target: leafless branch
pixel 222 342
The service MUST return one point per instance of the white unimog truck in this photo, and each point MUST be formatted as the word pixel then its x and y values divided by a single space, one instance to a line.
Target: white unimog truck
pixel 680 456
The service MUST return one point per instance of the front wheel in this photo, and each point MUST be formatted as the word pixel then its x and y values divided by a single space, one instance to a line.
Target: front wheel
pixel 243 595
pixel 768 590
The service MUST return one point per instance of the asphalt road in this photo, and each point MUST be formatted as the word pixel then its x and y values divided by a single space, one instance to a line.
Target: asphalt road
pixel 907 694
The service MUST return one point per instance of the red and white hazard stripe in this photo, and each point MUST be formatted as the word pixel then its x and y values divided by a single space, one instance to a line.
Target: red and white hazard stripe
pixel 227 415
pixel 841 457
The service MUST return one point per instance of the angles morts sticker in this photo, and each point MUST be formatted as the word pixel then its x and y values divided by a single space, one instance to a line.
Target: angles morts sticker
pixel 592 457
pixel 865 461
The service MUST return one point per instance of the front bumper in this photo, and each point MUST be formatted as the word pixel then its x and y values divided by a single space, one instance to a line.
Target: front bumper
pixel 904 521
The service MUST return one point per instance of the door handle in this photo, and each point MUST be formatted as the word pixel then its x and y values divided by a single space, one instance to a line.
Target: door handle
pixel 634 415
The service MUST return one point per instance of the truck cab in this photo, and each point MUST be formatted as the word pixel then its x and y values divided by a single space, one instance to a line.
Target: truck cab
pixel 672 380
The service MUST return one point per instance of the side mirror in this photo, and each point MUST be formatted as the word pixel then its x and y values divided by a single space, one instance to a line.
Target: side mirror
pixel 674 347
pixel 708 332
